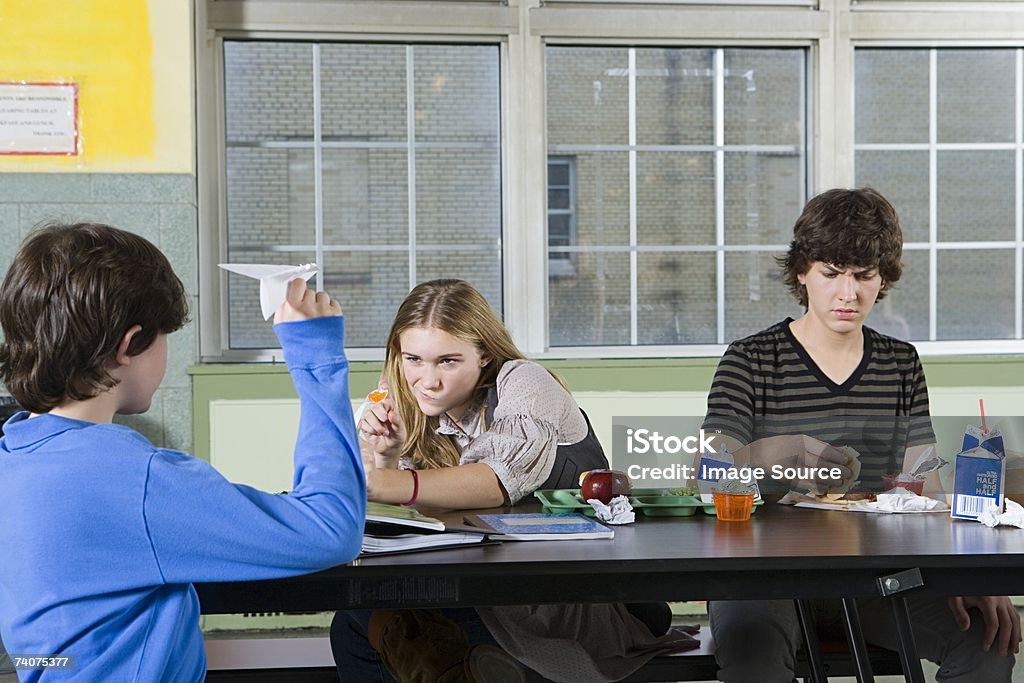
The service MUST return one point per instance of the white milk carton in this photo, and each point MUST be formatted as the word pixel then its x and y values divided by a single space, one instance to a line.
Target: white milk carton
pixel 980 474
pixel 710 470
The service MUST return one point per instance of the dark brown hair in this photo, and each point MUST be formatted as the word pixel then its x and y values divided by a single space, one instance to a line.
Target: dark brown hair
pixel 845 228
pixel 68 298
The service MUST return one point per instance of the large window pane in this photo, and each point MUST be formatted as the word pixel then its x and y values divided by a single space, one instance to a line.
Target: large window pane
pixel 370 286
pixel 763 197
pixel 975 193
pixel 763 97
pixel 456 90
pixel 976 95
pixel 666 212
pixel 935 133
pixel 591 309
pixel 366 196
pixel 458 196
pixel 755 295
pixel 976 288
pixel 892 96
pixel 673 188
pixel 903 313
pixel 675 91
pixel 270 197
pixel 362 91
pixel 268 91
pixel 903 178
pixel 393 180
pixel 587 95
pixel 677 295
pixel 602 198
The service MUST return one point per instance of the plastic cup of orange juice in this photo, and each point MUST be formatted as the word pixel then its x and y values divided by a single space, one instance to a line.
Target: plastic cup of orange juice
pixel 733 507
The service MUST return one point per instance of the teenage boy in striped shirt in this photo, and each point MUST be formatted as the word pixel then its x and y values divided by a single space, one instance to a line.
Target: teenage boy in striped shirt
pixel 796 393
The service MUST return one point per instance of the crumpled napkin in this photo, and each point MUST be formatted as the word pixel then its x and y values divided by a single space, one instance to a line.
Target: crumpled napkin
pixel 1014 515
pixel 898 500
pixel 618 510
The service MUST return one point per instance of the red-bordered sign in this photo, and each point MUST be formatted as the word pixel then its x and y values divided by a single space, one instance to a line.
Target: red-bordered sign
pixel 39 118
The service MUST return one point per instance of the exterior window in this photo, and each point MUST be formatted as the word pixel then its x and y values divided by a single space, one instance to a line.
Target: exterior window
pixel 689 170
pixel 380 162
pixel 938 131
pixel 561 216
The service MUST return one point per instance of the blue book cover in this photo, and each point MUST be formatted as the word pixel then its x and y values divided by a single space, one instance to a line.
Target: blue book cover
pixel 541 526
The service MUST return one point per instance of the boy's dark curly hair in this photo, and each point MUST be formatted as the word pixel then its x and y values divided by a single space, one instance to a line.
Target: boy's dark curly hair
pixel 68 298
pixel 845 228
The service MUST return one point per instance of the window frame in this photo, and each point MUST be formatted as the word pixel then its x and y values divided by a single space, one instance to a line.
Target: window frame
pixel 522 29
pixel 719 148
pixel 934 245
pixel 216 22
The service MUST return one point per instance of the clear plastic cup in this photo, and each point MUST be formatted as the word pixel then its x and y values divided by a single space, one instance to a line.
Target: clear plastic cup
pixel 891 481
pixel 733 507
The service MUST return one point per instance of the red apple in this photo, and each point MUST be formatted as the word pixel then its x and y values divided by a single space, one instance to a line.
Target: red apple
pixel 604 485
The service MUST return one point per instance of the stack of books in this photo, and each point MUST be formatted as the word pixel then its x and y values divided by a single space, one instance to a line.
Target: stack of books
pixel 396 529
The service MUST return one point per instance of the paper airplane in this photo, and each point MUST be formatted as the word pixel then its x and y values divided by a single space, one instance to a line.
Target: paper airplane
pixel 273 280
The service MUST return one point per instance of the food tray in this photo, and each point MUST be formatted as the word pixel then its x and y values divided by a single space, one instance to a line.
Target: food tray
pixel 662 504
pixel 564 500
pixel 647 502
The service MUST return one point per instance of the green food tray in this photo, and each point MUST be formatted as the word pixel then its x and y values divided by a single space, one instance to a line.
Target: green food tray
pixel 564 500
pixel 647 502
pixel 662 504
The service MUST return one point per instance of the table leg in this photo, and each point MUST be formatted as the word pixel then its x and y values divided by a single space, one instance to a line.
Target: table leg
pixel 911 661
pixel 855 639
pixel 810 631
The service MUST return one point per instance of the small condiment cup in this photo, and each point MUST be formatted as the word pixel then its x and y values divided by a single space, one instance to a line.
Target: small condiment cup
pixel 733 507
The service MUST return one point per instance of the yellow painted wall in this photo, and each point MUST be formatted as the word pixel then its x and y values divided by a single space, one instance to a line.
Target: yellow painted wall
pixel 132 60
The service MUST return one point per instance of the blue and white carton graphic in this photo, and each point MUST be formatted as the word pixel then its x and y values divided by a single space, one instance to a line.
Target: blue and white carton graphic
pixel 980 474
pixel 709 473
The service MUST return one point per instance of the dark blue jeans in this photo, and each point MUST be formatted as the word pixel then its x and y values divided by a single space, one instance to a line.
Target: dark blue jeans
pixel 358 662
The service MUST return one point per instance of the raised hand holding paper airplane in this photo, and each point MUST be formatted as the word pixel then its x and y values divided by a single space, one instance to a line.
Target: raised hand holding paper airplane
pixel 273 280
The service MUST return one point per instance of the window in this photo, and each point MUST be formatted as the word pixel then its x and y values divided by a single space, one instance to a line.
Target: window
pixel 380 162
pixel 689 168
pixel 616 176
pixel 561 216
pixel 939 132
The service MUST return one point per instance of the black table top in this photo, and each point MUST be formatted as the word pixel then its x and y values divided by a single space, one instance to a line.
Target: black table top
pixel 782 552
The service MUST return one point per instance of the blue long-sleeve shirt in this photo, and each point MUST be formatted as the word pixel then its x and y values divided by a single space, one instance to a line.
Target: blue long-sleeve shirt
pixel 104 533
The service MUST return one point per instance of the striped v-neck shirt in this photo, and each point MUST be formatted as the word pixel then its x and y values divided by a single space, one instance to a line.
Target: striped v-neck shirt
pixel 768 385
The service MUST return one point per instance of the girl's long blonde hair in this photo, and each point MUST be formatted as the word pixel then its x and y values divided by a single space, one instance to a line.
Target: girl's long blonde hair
pixel 455 307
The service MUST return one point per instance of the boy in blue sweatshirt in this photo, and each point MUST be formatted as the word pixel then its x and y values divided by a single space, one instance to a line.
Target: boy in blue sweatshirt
pixel 105 532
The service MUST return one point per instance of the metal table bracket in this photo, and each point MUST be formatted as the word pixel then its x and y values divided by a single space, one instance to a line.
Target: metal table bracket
pixel 899 582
